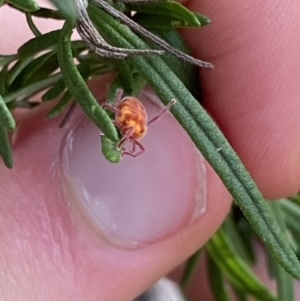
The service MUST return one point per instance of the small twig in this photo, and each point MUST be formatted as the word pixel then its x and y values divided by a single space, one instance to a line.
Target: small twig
pixel 141 30
pixel 89 33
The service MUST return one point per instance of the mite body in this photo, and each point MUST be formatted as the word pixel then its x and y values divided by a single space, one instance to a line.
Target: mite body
pixel 132 116
pixel 132 121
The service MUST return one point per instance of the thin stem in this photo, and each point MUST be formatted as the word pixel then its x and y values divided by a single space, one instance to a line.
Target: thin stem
pixel 31 25
pixel 88 33
pixel 141 30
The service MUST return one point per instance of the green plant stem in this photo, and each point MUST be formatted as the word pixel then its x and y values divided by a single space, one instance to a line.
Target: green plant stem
pixel 207 137
pixel 78 87
pixel 33 88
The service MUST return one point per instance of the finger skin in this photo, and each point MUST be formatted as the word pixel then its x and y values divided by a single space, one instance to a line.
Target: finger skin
pixel 47 251
pixel 253 91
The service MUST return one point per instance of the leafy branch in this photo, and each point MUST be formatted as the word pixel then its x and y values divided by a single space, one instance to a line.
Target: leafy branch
pixel 152 52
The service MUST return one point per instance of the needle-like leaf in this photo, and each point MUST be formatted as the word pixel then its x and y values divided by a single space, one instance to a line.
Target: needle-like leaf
pixel 235 269
pixel 37 44
pixel 78 87
pixel 6 119
pixel 207 137
pixel 5 149
pixel 26 5
pixel 66 8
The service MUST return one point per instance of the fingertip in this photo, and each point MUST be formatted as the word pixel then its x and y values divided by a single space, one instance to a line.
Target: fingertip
pixel 166 219
pixel 252 93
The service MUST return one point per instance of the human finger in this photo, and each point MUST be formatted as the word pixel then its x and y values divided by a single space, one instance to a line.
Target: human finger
pixel 253 91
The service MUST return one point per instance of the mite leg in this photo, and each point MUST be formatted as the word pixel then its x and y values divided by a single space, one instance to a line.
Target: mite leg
pixel 113 106
pixel 165 109
pixel 119 96
pixel 125 138
pixel 132 153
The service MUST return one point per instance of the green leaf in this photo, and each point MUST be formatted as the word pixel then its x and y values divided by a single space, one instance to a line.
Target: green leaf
pixel 127 79
pixel 48 14
pixel 187 73
pixel 202 19
pixel 110 150
pixel 6 119
pixel 54 91
pixel 124 78
pixel 5 149
pixel 41 67
pixel 247 233
pixel 284 281
pixel 236 240
pixel 291 215
pixel 207 138
pixel 172 10
pixel 1 2
pixel 67 96
pixel 78 87
pixel 32 70
pixel 60 106
pixel 240 295
pixel 285 284
pixel 159 22
pixel 32 88
pixel 17 69
pixel 60 85
pixel 67 9
pixel 102 4
pixel 189 268
pixel 115 85
pixel 37 44
pixel 79 46
pixel 216 281
pixel 296 199
pixel 6 59
pixel 26 5
pixel 3 79
pixel 235 269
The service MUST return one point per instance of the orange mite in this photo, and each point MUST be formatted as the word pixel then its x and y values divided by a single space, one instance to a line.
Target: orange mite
pixel 132 121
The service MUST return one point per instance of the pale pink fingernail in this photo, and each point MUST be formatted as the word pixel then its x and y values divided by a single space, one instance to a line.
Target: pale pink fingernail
pixel 138 200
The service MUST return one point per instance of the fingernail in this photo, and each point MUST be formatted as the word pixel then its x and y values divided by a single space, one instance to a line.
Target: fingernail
pixel 138 200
